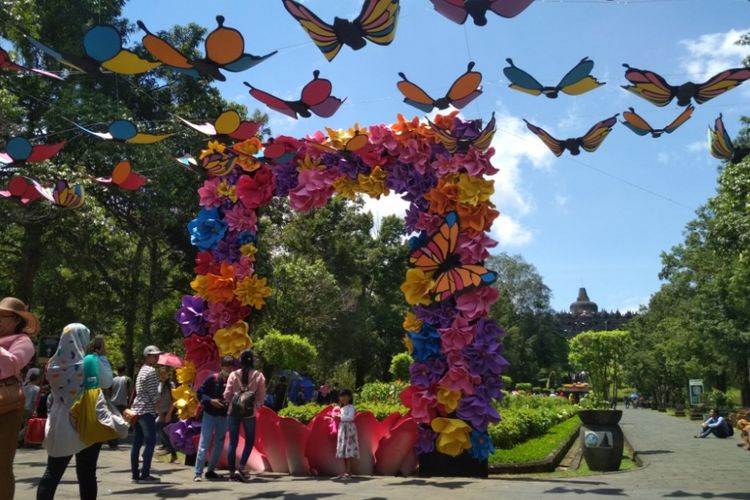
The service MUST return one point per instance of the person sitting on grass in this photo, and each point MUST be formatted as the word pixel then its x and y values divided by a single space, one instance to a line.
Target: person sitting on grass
pixel 716 425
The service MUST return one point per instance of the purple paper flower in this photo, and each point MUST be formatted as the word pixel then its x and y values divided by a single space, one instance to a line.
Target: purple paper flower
pixel 478 411
pixel 425 441
pixel 440 314
pixel 485 358
pixel 488 330
pixel 227 250
pixel 190 316
pixel 181 435
pixel 286 178
pixel 490 387
pixel 426 373
pixel 467 130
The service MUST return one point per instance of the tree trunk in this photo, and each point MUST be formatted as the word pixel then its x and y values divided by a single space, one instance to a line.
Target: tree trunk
pixel 31 259
pixel 131 306
pixel 152 293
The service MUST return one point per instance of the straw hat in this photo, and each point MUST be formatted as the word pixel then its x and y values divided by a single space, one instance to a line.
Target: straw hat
pixel 12 304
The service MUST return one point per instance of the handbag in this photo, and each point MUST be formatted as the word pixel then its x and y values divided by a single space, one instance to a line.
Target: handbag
pixel 11 395
pixel 91 406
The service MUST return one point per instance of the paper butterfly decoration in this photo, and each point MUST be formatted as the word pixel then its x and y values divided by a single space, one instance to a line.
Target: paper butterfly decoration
pixel 452 144
pixel 720 145
pixel 125 131
pixel 439 256
pixel 355 143
pixel 22 189
pixel 576 82
pixel 62 194
pixel 316 98
pixel 655 89
pixel 281 149
pixel 458 10
pixel 6 63
pixel 188 162
pixel 376 22
pixel 638 125
pixel 102 46
pixel 465 89
pixel 589 142
pixel 227 124
pixel 20 150
pixel 225 49
pixel 124 177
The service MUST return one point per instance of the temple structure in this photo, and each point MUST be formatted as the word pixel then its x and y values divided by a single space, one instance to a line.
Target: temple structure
pixel 585 315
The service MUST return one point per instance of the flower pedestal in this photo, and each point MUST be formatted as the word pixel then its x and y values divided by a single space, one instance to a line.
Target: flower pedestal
pixel 602 440
pixel 441 465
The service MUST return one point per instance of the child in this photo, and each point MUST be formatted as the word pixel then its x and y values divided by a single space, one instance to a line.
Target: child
pixel 347 444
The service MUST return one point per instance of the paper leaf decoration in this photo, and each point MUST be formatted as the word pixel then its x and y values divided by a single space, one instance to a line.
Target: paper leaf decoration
pixel 102 46
pixel 376 22
pixel 227 124
pixel 20 150
pixel 7 63
pixel 465 89
pixel 125 131
pixel 589 142
pixel 124 177
pixel 577 81
pixel 641 127
pixel 656 90
pixel 225 49
pixel 458 10
pixel 316 98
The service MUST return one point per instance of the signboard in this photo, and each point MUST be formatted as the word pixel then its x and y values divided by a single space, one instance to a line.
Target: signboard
pixel 695 386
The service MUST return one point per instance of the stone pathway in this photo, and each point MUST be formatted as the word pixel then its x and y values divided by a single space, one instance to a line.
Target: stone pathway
pixel 676 466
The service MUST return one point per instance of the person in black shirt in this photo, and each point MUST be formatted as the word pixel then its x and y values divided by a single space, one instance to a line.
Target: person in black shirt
pixel 214 422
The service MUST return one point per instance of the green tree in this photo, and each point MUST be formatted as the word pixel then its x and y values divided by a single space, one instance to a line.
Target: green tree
pixel 601 355
pixel 286 351
pixel 399 368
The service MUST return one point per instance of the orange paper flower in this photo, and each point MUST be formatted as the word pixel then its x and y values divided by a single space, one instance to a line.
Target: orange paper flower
pixel 476 219
pixel 411 322
pixel 442 198
pixel 220 286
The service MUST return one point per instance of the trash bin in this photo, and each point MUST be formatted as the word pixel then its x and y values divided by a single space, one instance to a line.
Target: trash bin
pixel 602 440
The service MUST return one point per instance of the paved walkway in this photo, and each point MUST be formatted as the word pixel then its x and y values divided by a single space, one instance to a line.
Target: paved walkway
pixel 676 466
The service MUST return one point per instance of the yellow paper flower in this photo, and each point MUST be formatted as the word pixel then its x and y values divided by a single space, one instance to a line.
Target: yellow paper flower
pixel 308 163
pixel 408 344
pixel 448 398
pixel 346 187
pixel 200 285
pixel 232 340
pixel 417 287
pixel 249 250
pixel 373 184
pixel 186 374
pixel 411 322
pixel 474 190
pixel 185 401
pixel 453 436
pixel 252 291
pixel 213 147
pixel 226 190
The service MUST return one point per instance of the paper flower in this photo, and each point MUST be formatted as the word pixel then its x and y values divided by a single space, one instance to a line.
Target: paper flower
pixel 426 343
pixel 485 358
pixel 411 322
pixel 476 303
pixel 345 187
pixel 478 411
pixel 426 440
pixel 186 373
pixel 314 189
pixel 476 163
pixel 220 314
pixel 185 401
pixel 474 250
pixel 220 286
pixel 407 343
pixel 443 197
pixel 475 219
pixel 453 436
pixel 458 335
pixel 373 184
pixel 243 267
pixel 249 250
pixel 204 263
pixel 424 374
pixel 206 229
pixel 233 339
pixel 440 314
pixel 239 218
pixel 474 190
pixel 422 402
pixel 417 287
pixel 481 445
pixel 448 398
pixel 458 378
pixel 286 178
pixel 190 316
pixel 208 195
pixel 200 285
pixel 247 149
pixel 255 190
pixel 202 352
pixel 227 249
pixel 181 435
pixel 252 291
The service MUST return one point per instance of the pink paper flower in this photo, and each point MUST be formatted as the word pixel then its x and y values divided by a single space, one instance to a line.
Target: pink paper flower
pixel 422 402
pixel 315 188
pixel 239 218
pixel 380 135
pixel 459 378
pixel 429 222
pixel 243 268
pixel 445 164
pixel 255 190
pixel 417 154
pixel 458 335
pixel 220 314
pixel 476 303
pixel 473 250
pixel 209 197
pixel 475 163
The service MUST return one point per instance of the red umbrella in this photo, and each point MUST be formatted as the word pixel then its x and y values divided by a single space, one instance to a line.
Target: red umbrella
pixel 169 359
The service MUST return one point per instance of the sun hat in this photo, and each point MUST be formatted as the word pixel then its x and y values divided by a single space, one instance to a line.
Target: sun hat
pixel 17 307
pixel 152 349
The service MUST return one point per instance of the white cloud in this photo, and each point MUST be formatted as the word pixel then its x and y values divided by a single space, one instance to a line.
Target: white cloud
pixel 697 147
pixel 712 53
pixel 510 233
pixel 632 304
pixel 561 200
pixel 386 205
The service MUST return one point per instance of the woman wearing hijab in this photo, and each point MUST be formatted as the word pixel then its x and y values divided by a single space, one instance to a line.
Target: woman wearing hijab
pixel 65 375
pixel 16 350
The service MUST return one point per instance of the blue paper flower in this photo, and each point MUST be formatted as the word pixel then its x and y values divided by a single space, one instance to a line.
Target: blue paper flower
pixel 481 445
pixel 206 229
pixel 426 343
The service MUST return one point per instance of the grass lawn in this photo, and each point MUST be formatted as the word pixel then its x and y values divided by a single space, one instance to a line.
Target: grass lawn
pixel 539 447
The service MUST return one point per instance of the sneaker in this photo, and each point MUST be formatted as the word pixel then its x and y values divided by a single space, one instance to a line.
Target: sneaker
pixel 236 476
pixel 197 479
pixel 212 475
pixel 149 480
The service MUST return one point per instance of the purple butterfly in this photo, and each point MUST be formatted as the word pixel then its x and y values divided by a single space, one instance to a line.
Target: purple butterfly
pixel 458 10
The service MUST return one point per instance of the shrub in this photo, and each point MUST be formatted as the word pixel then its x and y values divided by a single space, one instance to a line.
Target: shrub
pixel 305 413
pixel 523 386
pixel 507 382
pixel 290 352
pixel 380 392
pixel 400 366
pixel 524 417
pixel 536 390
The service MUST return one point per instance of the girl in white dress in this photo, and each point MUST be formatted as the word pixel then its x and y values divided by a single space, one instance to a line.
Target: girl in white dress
pixel 347 444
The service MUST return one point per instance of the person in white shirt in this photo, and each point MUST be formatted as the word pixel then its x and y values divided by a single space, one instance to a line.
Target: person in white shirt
pixel 715 425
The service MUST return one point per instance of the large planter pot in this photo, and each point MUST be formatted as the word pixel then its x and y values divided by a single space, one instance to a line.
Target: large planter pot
pixel 602 440
pixel 436 464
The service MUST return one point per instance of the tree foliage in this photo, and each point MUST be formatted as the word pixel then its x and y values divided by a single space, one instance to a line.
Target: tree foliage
pixel 286 351
pixel 601 355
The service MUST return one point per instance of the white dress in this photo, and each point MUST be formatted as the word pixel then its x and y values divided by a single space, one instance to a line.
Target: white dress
pixel 347 443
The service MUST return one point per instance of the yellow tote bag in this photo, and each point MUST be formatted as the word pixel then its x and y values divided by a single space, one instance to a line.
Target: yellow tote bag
pixel 83 414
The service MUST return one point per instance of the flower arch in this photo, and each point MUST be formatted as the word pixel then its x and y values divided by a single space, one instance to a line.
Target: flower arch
pixel 440 168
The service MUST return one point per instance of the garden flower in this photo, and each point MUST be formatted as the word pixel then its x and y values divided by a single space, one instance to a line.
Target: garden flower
pixel 425 374
pixel 474 190
pixel 479 412
pixel 426 343
pixel 411 322
pixel 476 303
pixel 208 193
pixel 426 440
pixel 204 263
pixel 417 287
pixel 234 339
pixel 314 189
pixel 475 219
pixel 448 398
pixel 255 190
pixel 458 335
pixel 200 285
pixel 453 436
pixel 220 287
pixel 481 445
pixel 190 316
pixel 239 218
pixel 206 229
pixel 474 250
pixel 186 374
pixel 252 291
pixel 443 197
pixel 202 352
pixel 185 401
pixel 458 378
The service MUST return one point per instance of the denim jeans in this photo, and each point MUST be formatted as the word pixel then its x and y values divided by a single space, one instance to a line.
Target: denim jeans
pixel 234 438
pixel 211 427
pixel 145 434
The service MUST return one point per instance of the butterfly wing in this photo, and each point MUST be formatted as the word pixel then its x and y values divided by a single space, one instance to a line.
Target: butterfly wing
pixel 509 8
pixel 726 80
pixel 520 80
pixel 484 140
pixel 129 63
pixel 557 147
pixel 452 9
pixel 246 61
pixel 649 86
pixel 101 135
pixel 444 136
pixel 317 96
pixel 466 88
pixel 44 151
pixel 6 62
pixel 272 101
pixel 124 177
pixel 206 128
pixel 414 95
pixel 322 33
pixel 596 134
pixel 682 118
pixel 434 253
pixel 66 196
pixel 719 143
pixel 147 138
pixel 577 81
pixel 58 56
pixel 378 20
pixel 163 51
pixel 460 278
pixel 635 123
pixel 22 189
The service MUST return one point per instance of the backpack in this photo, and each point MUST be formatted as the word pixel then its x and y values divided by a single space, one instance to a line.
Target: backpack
pixel 243 403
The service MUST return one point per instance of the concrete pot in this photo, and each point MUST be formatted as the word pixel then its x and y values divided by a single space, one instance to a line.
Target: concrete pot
pixel 602 440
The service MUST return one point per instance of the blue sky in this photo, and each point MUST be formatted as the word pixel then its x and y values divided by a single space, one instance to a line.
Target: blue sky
pixel 598 220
